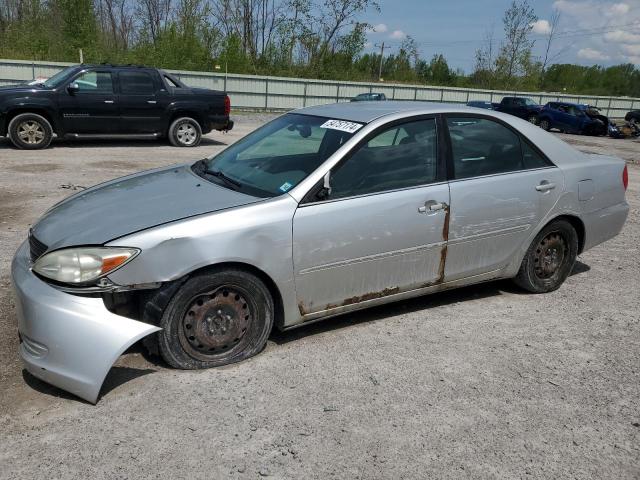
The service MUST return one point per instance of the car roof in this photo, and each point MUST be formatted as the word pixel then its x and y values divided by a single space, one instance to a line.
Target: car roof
pixel 370 111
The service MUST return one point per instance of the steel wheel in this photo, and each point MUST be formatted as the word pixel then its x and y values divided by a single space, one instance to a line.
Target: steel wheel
pixel 215 322
pixel 549 255
pixel 215 318
pixel 550 258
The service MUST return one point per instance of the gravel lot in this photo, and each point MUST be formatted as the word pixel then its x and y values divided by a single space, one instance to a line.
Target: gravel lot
pixel 482 382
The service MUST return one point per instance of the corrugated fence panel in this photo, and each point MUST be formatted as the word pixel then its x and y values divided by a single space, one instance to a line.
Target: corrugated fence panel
pixel 255 92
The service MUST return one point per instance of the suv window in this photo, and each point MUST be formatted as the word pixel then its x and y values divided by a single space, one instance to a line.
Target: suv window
pixel 401 156
pixel 94 82
pixel 484 147
pixel 136 83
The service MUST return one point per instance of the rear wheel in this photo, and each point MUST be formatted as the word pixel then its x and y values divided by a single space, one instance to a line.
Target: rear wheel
pixel 550 258
pixel 185 132
pixel 30 131
pixel 215 319
pixel 533 119
pixel 545 125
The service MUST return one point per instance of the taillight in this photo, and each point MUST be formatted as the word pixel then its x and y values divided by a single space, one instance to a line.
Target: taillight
pixel 227 105
pixel 625 177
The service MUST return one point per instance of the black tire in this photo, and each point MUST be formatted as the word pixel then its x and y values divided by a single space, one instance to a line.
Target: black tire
pixel 215 319
pixel 545 125
pixel 30 131
pixel 541 270
pixel 185 132
pixel 533 119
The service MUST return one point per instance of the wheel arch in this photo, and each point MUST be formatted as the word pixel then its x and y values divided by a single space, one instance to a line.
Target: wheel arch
pixel 577 223
pixel 14 112
pixel 271 285
pixel 185 112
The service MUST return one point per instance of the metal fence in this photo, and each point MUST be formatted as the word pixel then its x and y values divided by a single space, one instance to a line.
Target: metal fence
pixel 279 93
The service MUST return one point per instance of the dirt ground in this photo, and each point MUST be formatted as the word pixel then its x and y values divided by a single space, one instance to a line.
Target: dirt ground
pixel 481 382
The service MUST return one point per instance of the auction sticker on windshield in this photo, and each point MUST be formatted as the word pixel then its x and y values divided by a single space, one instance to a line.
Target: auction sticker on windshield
pixel 349 127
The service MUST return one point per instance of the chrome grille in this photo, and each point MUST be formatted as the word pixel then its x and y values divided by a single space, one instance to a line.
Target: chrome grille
pixel 36 247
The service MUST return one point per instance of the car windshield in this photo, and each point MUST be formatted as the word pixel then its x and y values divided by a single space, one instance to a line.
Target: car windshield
pixel 277 157
pixel 59 78
pixel 529 102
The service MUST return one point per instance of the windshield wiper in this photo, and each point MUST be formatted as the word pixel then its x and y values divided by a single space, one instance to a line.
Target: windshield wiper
pixel 228 180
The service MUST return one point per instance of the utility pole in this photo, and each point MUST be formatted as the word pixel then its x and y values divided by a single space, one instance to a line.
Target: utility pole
pixel 382 47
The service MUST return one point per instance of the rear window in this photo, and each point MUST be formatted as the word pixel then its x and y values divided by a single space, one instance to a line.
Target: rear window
pixel 136 83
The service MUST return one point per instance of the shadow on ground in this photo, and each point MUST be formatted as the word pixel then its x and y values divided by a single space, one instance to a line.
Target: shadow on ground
pixel 117 376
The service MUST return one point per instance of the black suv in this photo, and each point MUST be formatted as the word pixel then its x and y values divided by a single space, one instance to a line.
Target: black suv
pixel 110 100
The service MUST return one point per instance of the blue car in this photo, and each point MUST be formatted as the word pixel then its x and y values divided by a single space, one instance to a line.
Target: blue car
pixel 573 118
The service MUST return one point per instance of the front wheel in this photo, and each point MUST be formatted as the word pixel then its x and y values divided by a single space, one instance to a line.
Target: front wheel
pixel 550 258
pixel 30 131
pixel 533 119
pixel 545 125
pixel 185 132
pixel 215 319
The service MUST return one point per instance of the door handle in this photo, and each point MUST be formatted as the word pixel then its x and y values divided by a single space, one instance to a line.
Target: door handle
pixel 545 186
pixel 153 102
pixel 108 101
pixel 432 206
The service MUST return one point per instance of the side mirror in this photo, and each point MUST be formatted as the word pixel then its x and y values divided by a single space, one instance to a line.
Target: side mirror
pixel 73 88
pixel 325 191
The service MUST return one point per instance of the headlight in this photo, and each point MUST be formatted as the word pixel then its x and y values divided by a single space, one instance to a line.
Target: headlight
pixel 84 264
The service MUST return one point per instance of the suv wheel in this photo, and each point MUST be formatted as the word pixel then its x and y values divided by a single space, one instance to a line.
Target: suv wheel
pixel 533 119
pixel 545 125
pixel 30 131
pixel 185 132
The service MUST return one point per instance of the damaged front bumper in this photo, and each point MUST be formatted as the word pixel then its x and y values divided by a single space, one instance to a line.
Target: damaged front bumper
pixel 67 340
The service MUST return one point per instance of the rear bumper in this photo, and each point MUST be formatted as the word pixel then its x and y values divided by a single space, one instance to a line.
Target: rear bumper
pixel 604 224
pixel 66 340
pixel 219 122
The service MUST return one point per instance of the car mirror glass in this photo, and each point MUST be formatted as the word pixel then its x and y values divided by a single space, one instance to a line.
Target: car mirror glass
pixel 73 88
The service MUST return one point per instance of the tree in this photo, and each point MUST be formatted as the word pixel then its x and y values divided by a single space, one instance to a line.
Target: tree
pixel 484 69
pixel 550 37
pixel 515 52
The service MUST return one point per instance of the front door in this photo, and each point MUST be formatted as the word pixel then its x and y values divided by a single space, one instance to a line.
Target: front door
pixel 93 107
pixel 501 190
pixel 382 229
pixel 141 105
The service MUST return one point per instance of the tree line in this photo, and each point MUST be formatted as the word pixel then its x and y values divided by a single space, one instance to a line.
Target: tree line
pixel 301 38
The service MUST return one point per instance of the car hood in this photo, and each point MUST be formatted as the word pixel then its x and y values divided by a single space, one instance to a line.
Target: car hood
pixel 130 204
pixel 21 88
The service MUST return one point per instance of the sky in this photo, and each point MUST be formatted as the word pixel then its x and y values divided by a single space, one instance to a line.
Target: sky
pixel 589 32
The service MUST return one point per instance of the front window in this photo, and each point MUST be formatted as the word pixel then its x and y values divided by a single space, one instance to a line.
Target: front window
pixel 528 102
pixel 59 78
pixel 95 82
pixel 277 157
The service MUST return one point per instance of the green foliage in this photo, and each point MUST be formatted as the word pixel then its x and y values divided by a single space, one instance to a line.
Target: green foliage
pixel 298 38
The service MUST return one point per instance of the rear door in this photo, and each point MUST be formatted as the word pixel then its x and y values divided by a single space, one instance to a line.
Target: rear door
pixel 141 106
pixel 382 230
pixel 93 107
pixel 502 188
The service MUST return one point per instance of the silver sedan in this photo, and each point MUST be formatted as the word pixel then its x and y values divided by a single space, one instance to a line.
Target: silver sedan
pixel 322 211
